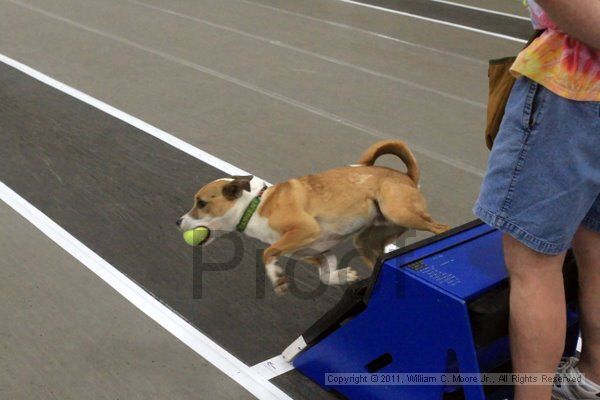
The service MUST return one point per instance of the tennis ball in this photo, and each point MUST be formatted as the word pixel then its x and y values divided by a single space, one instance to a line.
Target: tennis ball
pixel 196 236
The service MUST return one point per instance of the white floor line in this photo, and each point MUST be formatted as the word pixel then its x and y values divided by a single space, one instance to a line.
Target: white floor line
pixel 131 120
pixel 244 375
pixel 274 95
pixel 485 10
pixel 13 200
pixel 333 60
pixel 436 21
pixel 272 367
pixel 364 31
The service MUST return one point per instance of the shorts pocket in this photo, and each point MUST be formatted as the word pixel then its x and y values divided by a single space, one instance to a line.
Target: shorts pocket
pixel 534 105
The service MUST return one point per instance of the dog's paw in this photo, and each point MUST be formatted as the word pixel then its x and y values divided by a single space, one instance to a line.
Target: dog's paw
pixel 351 275
pixel 281 285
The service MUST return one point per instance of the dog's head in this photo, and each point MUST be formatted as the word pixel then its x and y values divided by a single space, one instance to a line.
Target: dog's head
pixel 217 206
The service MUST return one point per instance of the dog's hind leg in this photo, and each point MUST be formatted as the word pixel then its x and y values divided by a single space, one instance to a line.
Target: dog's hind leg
pixel 404 205
pixel 371 241
pixel 328 272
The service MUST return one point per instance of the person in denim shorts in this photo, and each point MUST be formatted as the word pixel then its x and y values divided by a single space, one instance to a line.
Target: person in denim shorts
pixel 542 190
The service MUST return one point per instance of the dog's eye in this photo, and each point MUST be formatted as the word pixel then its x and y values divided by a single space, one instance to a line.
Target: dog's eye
pixel 201 203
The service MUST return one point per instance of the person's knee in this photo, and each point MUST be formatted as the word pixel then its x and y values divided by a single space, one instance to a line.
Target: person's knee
pixel 587 243
pixel 525 263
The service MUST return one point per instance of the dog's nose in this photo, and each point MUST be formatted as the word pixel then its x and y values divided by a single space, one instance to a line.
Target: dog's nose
pixel 178 222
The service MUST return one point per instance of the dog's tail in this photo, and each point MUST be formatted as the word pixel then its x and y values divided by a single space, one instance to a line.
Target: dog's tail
pixel 395 147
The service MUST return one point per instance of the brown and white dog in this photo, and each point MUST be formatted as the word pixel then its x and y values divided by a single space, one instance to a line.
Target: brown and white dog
pixel 306 217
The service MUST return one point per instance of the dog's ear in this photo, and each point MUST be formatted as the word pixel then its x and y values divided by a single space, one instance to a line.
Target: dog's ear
pixel 243 177
pixel 233 189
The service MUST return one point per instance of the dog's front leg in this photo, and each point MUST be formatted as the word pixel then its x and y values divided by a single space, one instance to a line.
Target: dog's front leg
pixel 277 276
pixel 291 241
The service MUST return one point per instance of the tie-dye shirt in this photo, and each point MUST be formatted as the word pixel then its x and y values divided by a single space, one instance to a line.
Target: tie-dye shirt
pixel 559 62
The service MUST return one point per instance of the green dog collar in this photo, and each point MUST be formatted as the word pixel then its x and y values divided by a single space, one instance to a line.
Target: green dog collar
pixel 249 212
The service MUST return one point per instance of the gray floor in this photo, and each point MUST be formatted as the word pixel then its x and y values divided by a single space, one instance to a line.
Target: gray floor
pixel 278 88
pixel 263 107
pixel 67 335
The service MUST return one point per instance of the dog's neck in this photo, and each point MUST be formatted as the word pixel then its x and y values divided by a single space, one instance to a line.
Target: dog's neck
pixel 258 226
pixel 237 211
pixel 256 185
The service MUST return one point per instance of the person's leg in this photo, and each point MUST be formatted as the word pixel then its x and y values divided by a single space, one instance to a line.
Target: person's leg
pixel 537 314
pixel 586 246
pixel 540 183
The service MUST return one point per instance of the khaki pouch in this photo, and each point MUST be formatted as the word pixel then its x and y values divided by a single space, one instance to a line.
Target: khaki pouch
pixel 500 85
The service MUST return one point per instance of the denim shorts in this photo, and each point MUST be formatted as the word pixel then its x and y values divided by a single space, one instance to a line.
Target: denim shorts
pixel 543 176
